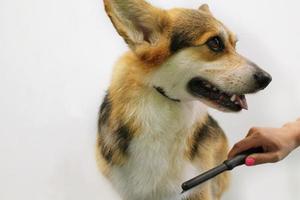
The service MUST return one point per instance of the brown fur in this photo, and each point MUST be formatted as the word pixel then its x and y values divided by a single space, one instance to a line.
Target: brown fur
pixel 125 89
pixel 150 54
pixel 207 143
pixel 208 134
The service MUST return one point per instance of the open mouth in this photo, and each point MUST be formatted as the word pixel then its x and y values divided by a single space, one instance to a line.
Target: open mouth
pixel 203 89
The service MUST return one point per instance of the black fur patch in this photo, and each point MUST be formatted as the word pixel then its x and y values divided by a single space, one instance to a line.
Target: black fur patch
pixel 106 153
pixel 209 130
pixel 123 138
pixel 179 40
pixel 113 143
pixel 105 110
pixel 117 145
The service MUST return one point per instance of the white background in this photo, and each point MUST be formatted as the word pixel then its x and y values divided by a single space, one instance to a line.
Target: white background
pixel 56 58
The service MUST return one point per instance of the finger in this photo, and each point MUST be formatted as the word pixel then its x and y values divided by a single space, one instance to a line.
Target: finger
pixel 261 158
pixel 243 145
pixel 252 131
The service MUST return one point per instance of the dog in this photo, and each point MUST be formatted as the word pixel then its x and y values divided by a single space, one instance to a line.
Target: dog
pixel 154 128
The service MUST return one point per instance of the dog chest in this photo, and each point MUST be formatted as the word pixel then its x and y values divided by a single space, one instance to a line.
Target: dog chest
pixel 155 173
pixel 156 166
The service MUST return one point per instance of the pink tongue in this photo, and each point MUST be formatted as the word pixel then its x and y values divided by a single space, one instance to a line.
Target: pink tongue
pixel 242 101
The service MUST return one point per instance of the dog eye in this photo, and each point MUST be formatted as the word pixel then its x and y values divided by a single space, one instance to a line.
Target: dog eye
pixel 215 44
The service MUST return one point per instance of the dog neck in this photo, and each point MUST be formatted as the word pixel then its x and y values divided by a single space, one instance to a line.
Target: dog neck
pixel 133 97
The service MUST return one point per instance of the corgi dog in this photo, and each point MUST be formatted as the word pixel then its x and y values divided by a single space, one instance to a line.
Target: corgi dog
pixel 154 128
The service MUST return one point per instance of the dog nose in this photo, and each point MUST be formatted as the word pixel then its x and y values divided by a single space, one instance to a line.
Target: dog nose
pixel 263 79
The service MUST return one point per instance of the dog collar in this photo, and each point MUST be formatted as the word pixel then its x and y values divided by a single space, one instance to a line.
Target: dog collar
pixel 163 93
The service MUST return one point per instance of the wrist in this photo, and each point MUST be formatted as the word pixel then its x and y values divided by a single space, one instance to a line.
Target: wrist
pixel 294 130
pixel 298 134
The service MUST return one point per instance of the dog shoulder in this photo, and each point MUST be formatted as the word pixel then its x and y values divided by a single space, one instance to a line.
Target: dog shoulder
pixel 208 148
pixel 207 138
pixel 114 137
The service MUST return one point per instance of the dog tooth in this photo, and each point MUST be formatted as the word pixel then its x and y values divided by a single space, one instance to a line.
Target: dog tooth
pixel 233 98
pixel 208 85
pixel 215 89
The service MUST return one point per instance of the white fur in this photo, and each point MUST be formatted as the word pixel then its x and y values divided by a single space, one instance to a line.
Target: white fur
pixel 156 167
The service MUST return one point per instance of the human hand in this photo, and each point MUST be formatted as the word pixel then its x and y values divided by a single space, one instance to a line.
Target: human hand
pixel 276 142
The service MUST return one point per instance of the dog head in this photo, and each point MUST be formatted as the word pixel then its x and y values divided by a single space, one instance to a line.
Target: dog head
pixel 190 54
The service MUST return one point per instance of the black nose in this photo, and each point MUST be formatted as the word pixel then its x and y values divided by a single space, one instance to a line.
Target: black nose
pixel 263 79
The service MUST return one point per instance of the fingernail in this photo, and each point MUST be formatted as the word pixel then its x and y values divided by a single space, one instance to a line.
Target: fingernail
pixel 250 161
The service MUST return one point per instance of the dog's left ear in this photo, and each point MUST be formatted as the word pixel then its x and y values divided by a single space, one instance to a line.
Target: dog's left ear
pixel 140 24
pixel 205 8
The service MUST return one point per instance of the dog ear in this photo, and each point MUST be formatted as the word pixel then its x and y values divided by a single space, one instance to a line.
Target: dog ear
pixel 205 8
pixel 137 21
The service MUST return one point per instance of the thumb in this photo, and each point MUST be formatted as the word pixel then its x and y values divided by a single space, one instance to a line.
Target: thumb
pixel 261 158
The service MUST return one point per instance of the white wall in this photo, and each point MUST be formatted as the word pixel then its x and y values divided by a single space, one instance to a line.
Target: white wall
pixel 55 63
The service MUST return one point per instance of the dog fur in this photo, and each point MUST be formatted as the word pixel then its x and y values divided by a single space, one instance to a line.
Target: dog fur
pixel 153 133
